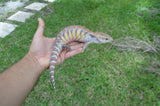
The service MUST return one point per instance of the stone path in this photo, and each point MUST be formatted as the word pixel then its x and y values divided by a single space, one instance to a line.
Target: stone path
pixel 20 16
pixel 36 6
pixel 6 28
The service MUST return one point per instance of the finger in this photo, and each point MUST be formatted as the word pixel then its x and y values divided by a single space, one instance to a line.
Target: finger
pixel 80 45
pixel 40 29
pixel 73 53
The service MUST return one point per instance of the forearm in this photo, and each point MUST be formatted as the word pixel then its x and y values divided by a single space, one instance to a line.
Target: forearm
pixel 18 81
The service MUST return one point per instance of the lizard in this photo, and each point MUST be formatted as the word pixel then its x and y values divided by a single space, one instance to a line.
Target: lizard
pixel 74 33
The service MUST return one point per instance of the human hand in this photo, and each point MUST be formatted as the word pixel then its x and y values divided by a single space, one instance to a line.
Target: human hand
pixel 41 47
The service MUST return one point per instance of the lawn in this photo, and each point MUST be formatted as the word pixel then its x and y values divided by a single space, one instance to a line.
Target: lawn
pixel 101 75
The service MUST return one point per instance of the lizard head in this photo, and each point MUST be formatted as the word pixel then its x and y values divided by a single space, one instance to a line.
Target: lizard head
pixel 101 38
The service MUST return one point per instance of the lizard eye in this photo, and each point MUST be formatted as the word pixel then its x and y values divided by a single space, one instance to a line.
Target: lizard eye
pixel 106 38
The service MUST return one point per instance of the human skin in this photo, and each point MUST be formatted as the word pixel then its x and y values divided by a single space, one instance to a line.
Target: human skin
pixel 17 81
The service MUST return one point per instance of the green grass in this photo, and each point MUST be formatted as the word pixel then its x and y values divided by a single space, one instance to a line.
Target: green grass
pixel 3 1
pixel 101 75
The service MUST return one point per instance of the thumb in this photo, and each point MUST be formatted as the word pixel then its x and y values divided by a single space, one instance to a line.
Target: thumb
pixel 40 29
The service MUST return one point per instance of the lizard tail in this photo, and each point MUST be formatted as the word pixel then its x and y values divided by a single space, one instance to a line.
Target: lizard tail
pixel 53 61
pixel 52 67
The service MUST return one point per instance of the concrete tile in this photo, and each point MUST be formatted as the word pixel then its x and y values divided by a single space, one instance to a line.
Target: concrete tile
pixel 6 29
pixel 20 16
pixel 36 6
pixel 50 0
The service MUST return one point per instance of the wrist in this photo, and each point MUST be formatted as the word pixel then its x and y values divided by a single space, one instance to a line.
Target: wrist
pixel 35 62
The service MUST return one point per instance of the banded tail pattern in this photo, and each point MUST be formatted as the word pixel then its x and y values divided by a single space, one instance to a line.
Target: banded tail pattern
pixel 54 56
pixel 72 33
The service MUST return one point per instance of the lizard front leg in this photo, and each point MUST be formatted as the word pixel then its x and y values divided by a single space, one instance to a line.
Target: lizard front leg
pixel 85 46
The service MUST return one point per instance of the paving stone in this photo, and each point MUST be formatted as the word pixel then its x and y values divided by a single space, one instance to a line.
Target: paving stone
pixel 6 29
pixel 50 0
pixel 36 6
pixel 20 16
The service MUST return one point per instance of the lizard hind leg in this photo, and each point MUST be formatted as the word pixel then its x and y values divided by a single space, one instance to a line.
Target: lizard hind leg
pixel 66 47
